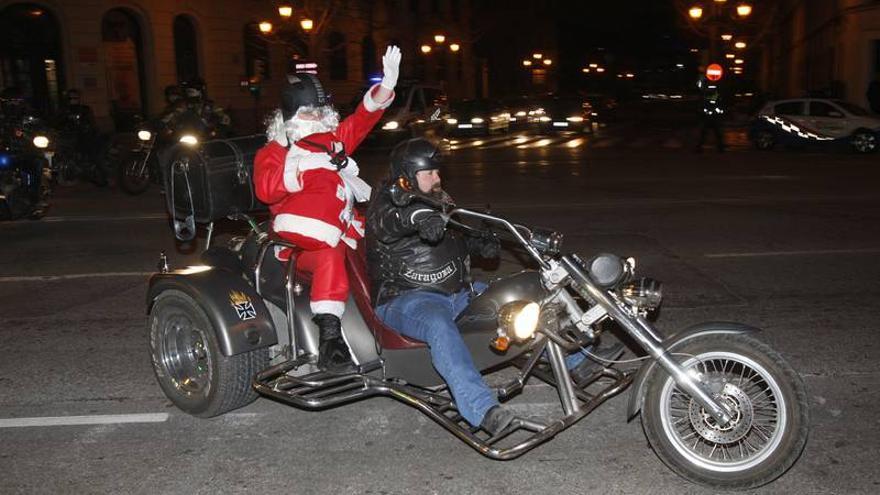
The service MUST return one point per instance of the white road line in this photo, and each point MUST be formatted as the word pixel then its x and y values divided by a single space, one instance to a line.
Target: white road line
pixel 103 419
pixel 793 253
pixel 72 276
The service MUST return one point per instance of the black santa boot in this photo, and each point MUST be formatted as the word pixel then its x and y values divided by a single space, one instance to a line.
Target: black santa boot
pixel 333 352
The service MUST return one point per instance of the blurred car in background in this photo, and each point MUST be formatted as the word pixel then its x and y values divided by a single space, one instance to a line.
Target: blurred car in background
pixel 519 108
pixel 560 114
pixel 416 111
pixel 815 120
pixel 482 117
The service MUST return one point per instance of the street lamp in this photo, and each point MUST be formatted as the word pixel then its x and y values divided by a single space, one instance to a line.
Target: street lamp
pixel 454 47
pixel 547 61
pixel 696 12
pixel 285 11
pixel 265 27
pixel 439 38
pixel 743 9
pixel 740 44
pixel 527 63
pixel 307 24
pixel 426 49
pixel 537 56
pixel 726 37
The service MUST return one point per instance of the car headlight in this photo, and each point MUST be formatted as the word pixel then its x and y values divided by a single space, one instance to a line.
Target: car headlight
pixel 521 113
pixel 41 142
pixel 451 121
pixel 544 118
pixel 476 120
pixel 189 139
pixel 519 318
pixel 644 293
pixel 390 125
pixel 145 135
pixel 575 119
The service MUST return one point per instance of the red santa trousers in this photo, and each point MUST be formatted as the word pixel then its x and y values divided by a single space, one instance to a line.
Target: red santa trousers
pixel 327 266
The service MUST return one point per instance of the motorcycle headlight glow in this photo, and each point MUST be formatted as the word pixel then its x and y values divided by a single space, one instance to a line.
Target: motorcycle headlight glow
pixel 145 135
pixel 390 125
pixel 189 139
pixel 644 293
pixel 519 318
pixel 41 142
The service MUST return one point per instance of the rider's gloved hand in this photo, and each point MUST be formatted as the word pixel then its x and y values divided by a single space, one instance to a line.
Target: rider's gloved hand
pixel 485 246
pixel 432 227
pixel 390 67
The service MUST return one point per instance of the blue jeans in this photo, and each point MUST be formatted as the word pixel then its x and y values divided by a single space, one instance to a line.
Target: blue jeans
pixel 430 317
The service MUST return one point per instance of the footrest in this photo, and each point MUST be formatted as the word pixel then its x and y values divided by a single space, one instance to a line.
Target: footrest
pixel 317 390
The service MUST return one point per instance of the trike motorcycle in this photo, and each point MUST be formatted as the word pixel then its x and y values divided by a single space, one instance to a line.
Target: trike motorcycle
pixel 718 406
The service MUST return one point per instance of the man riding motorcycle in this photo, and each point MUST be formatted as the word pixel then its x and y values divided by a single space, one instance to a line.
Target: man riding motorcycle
pixel 420 275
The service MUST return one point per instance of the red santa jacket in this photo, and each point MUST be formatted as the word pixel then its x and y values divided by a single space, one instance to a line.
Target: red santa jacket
pixel 305 193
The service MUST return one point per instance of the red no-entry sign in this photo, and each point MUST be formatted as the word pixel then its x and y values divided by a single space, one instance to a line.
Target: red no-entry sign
pixel 714 72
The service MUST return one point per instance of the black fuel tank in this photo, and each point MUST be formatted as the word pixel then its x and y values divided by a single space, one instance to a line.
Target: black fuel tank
pixel 481 315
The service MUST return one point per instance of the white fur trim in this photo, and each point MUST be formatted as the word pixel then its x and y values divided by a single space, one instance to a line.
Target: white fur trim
pixel 335 308
pixel 309 227
pixel 349 241
pixel 291 172
pixel 358 226
pixel 372 105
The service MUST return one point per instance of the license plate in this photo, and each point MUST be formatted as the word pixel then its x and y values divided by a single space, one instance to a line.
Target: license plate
pixel 465 126
pixel 560 124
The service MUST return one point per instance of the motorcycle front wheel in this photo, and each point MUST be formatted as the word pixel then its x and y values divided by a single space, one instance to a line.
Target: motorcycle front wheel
pixel 770 419
pixel 134 175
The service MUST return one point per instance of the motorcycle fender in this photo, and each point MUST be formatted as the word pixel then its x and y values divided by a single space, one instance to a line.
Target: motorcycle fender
pixel 240 318
pixel 707 328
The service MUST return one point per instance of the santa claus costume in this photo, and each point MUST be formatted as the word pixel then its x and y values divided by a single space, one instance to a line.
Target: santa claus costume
pixel 310 182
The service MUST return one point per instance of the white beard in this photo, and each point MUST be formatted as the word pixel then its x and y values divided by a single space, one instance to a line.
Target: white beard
pixel 298 128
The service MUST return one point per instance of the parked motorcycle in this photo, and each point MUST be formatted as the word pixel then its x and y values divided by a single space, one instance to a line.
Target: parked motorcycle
pixel 718 406
pixel 25 164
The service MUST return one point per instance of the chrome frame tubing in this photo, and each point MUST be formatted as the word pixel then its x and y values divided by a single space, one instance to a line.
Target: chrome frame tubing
pixel 635 327
pixel 563 379
pixel 147 156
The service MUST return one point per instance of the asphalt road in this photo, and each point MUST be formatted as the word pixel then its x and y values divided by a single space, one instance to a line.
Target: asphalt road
pixel 786 241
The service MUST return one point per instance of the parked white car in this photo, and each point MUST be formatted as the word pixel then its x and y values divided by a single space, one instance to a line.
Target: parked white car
pixel 816 119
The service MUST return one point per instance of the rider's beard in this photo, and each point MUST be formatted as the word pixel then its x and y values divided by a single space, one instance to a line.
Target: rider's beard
pixel 320 119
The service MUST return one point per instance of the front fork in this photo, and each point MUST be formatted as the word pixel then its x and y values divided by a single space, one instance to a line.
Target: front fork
pixel 641 331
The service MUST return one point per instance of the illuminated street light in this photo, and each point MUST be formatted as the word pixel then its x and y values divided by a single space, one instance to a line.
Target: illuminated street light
pixel 600 69
pixel 695 12
pixel 454 47
pixel 425 49
pixel 729 55
pixel 537 56
pixel 739 61
pixel 743 9
pixel 285 11
pixel 527 63
pixel 307 24
pixel 740 44
pixel 265 27
pixel 695 50
pixel 585 70
pixel 593 66
pixel 439 38
pixel 630 75
pixel 547 61
pixel 727 37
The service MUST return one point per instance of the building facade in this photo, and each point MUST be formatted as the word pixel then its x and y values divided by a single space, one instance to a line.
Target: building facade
pixel 122 54
pixel 828 47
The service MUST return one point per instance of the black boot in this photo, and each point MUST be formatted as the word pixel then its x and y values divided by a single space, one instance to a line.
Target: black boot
pixel 333 352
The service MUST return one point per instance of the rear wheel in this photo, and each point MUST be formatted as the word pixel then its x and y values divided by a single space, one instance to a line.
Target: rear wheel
pixel 188 364
pixel 764 140
pixel 864 141
pixel 770 421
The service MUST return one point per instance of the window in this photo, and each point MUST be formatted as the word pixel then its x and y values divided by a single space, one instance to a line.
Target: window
pixel 185 46
pixel 822 109
pixel 338 56
pixel 853 109
pixel 790 108
pixel 256 53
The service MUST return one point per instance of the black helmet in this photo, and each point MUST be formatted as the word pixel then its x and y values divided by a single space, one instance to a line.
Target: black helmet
pixel 301 89
pixel 411 156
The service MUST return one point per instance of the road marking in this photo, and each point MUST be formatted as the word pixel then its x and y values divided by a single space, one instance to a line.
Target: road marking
pixel 104 419
pixel 793 253
pixel 72 276
pixel 150 216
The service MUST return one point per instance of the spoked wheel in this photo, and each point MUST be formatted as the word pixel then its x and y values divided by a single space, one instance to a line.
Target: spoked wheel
pixel 864 142
pixel 189 366
pixel 769 408
pixel 134 175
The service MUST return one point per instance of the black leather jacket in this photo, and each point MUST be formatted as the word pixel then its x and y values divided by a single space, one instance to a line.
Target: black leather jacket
pixel 398 260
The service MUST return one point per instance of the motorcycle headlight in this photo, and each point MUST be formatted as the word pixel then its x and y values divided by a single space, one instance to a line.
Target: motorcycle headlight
pixel 189 139
pixel 519 318
pixel 145 135
pixel 644 293
pixel 41 142
pixel 390 125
